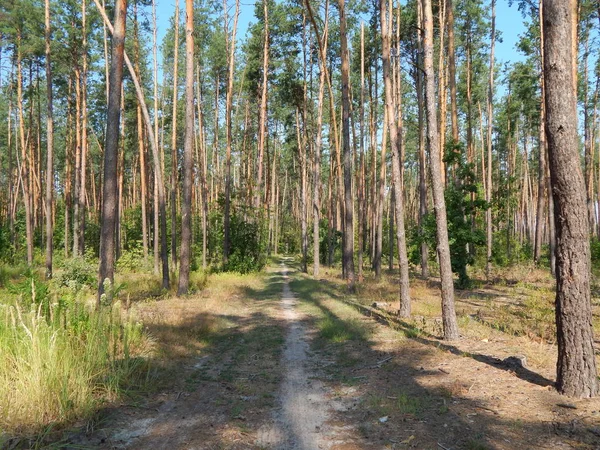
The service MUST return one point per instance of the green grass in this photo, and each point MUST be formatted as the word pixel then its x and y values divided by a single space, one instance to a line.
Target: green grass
pixel 60 362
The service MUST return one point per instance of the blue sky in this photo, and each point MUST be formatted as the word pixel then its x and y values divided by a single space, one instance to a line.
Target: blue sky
pixel 508 21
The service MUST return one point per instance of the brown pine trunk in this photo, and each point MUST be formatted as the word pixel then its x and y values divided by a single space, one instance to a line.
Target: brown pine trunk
pixel 174 142
pixel 394 111
pixel 262 122
pixel 155 156
pixel 49 144
pixel 576 366
pixel 452 69
pixel 229 126
pixel 490 125
pixel 186 207
pixel 140 137
pixel 84 133
pixel 422 156
pixel 109 191
pixel 348 228
pixel 439 204
pixel 156 217
pixel 77 185
pixel 24 158
pixel 317 155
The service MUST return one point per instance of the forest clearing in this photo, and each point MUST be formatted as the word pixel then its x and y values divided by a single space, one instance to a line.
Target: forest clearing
pixel 217 370
pixel 198 201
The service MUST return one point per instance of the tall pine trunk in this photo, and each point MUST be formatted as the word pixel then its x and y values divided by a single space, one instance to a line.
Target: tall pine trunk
pixel 576 366
pixel 394 110
pixel 49 144
pixel 348 225
pixel 186 207
pixel 109 190
pixel 439 204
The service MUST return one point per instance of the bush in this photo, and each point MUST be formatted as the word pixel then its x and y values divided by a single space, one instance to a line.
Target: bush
pixel 247 250
pixel 76 273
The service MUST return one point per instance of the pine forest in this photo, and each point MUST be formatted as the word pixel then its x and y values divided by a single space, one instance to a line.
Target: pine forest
pixel 300 224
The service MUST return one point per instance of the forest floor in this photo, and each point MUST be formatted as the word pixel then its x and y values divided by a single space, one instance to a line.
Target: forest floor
pixel 281 360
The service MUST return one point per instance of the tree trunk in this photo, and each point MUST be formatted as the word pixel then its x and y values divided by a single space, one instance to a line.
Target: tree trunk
pixel 174 141
pixel 140 137
pixel 155 85
pixel 24 169
pixel 317 155
pixel 348 229
pixel 262 122
pixel 452 70
pixel 490 125
pixel 229 126
pixel 84 133
pixel 396 144
pixel 155 157
pixel 186 208
pixel 439 204
pixel 576 366
pixel 49 144
pixel 109 191
pixel 422 156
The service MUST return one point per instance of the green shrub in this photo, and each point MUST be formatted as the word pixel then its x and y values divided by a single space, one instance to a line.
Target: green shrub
pixel 76 273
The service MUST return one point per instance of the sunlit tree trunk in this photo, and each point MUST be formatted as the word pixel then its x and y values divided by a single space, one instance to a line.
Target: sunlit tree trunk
pixel 262 122
pixel 422 156
pixel 229 125
pixel 140 138
pixel 49 144
pixel 155 156
pixel 155 188
pixel 186 207
pixel 348 228
pixel 174 141
pixel 393 111
pixel 490 125
pixel 576 367
pixel 109 191
pixel 84 131
pixel 24 169
pixel 439 204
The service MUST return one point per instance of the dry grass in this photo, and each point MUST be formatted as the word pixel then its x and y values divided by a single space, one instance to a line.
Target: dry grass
pixel 515 310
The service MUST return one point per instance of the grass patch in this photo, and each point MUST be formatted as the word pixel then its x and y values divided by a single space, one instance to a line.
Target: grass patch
pixel 60 366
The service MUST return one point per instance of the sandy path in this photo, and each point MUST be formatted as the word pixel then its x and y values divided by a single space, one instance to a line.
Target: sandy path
pixel 298 422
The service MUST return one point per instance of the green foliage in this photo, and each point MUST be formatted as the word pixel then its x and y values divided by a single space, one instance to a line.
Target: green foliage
pixel 76 273
pixel 132 259
pixel 247 240
pixel 248 246
pixel 595 250
pixel 463 202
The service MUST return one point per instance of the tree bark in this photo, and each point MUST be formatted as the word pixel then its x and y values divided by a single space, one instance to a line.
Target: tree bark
pixel 155 157
pixel 396 144
pixel 174 141
pixel 84 132
pixel 317 155
pixel 490 125
pixel 49 144
pixel 439 204
pixel 422 156
pixel 262 122
pixel 348 229
pixel 186 207
pixel 576 366
pixel 109 191
pixel 229 126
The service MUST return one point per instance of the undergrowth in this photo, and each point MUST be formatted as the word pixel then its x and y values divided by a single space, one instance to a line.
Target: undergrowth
pixel 60 358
